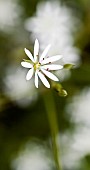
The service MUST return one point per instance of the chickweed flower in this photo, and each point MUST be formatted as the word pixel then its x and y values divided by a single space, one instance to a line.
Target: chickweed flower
pixel 40 66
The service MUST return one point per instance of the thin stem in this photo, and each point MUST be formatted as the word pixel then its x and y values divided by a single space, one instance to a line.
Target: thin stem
pixel 51 113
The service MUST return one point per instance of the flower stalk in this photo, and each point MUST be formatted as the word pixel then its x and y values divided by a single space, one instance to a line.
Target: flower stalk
pixel 52 118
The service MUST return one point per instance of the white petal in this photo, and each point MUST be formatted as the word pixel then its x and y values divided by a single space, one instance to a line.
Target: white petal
pixel 51 59
pixel 36 49
pixel 29 74
pixel 36 79
pixel 44 80
pixel 50 75
pixel 45 52
pixel 26 64
pixel 52 67
pixel 28 53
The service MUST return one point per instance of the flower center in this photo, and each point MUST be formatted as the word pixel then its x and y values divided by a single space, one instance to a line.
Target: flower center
pixel 36 66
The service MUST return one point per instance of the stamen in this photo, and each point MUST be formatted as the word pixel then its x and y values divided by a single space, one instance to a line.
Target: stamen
pixel 36 65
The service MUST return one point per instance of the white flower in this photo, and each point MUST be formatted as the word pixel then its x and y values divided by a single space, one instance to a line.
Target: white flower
pixel 77 144
pixel 41 65
pixel 79 108
pixel 10 12
pixel 16 87
pixel 33 157
pixel 75 147
pixel 55 24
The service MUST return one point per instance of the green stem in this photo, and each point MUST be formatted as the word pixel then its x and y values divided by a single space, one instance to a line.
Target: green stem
pixel 51 113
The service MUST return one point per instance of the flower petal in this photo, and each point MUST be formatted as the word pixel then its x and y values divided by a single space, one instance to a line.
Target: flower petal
pixel 45 52
pixel 36 79
pixel 50 75
pixel 29 74
pixel 44 80
pixel 36 50
pixel 26 64
pixel 51 59
pixel 51 67
pixel 28 53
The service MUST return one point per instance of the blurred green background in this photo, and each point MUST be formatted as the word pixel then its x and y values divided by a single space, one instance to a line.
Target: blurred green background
pixel 20 122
